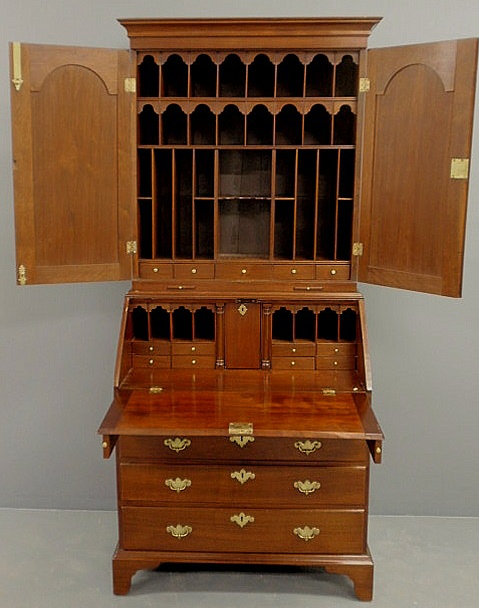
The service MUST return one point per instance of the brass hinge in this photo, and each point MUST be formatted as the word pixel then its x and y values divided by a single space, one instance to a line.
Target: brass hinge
pixel 22 275
pixel 130 85
pixel 358 249
pixel 131 247
pixel 364 85
pixel 459 168
pixel 17 65
pixel 240 428
pixel 329 392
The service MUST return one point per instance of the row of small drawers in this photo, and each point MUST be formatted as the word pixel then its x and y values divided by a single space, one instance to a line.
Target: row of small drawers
pixel 254 484
pixel 243 270
pixel 278 349
pixel 223 529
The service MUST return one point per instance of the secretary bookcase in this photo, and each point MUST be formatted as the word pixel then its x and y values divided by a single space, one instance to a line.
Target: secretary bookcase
pixel 244 174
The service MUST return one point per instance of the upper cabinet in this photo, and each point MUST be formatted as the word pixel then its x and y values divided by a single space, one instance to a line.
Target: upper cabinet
pixel 273 149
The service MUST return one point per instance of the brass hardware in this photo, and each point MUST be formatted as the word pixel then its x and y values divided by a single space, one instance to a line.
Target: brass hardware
pixel 242 310
pixel 364 85
pixel 243 271
pixel 131 247
pixel 335 363
pixel 193 349
pixel 241 440
pixel 329 392
pixel 104 445
pixel 194 270
pixel 193 361
pixel 293 350
pixel 378 450
pixel 22 275
pixel 151 348
pixel 154 390
pixel 293 363
pixel 306 533
pixel 130 85
pixel 151 361
pixel 17 65
pixel 358 249
pixel 179 531
pixel 242 476
pixel 155 269
pixel 240 428
pixel 242 519
pixel 307 447
pixel 178 485
pixel 293 271
pixel 336 350
pixel 459 168
pixel 307 487
pixel 177 444
pixel 333 271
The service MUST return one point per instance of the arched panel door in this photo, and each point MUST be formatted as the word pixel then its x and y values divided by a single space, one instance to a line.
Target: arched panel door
pixel 74 167
pixel 418 127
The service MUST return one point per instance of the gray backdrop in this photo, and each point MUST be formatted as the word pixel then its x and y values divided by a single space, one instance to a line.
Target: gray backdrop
pixel 58 342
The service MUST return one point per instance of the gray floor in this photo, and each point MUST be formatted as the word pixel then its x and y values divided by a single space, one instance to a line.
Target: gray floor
pixel 51 559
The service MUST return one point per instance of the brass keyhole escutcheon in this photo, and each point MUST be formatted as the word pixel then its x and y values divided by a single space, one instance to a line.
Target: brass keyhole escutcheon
pixel 242 309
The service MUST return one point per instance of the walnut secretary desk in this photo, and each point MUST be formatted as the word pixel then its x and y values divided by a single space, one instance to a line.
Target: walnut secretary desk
pixel 244 174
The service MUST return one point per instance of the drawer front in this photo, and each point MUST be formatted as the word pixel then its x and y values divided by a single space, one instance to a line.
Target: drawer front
pixel 185 449
pixel 153 270
pixel 335 349
pixel 193 361
pixel 243 530
pixel 151 361
pixel 235 271
pixel 292 363
pixel 150 347
pixel 194 271
pixel 335 362
pixel 293 272
pixel 193 348
pixel 252 484
pixel 293 349
pixel 331 272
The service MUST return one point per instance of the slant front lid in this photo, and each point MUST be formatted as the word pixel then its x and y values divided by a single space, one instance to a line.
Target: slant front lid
pixel 195 34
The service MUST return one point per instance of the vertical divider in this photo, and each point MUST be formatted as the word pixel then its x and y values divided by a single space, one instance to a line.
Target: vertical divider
pixel 173 203
pixel 220 335
pixel 154 206
pixel 316 206
pixel 272 205
pixel 193 204
pixel 266 337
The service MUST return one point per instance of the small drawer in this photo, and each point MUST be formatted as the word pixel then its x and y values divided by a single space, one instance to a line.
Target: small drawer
pixel 194 271
pixel 335 349
pixel 192 361
pixel 193 348
pixel 336 363
pixel 333 272
pixel 153 270
pixel 242 529
pixel 292 363
pixel 235 271
pixel 293 272
pixel 293 349
pixel 153 361
pixel 150 347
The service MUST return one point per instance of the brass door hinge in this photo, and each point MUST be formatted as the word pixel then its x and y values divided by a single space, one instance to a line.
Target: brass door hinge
pixel 17 65
pixel 364 85
pixel 459 168
pixel 131 247
pixel 22 275
pixel 130 85
pixel 358 249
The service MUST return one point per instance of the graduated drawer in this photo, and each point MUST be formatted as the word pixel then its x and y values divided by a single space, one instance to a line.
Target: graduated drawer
pixel 193 348
pixel 193 361
pixel 293 362
pixel 150 347
pixel 247 485
pixel 184 448
pixel 293 349
pixel 151 361
pixel 243 530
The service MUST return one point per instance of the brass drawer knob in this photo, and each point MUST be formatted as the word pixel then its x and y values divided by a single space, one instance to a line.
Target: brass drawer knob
pixel 333 271
pixel 307 487
pixel 179 531
pixel 242 519
pixel 306 533
pixel 293 271
pixel 194 270
pixel 243 271
pixel 177 444
pixel 307 447
pixel 243 476
pixel 178 484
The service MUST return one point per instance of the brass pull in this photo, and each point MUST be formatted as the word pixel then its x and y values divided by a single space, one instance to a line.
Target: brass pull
pixel 179 531
pixel 178 485
pixel 242 476
pixel 307 447
pixel 306 533
pixel 241 519
pixel 306 486
pixel 177 444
